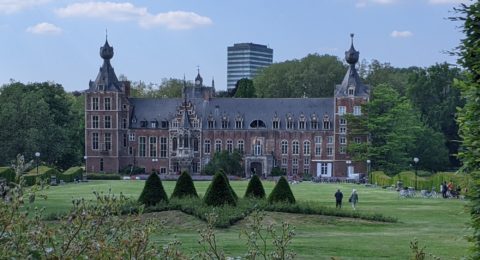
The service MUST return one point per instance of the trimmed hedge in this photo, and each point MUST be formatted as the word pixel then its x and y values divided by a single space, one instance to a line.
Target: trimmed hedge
pixel 184 187
pixel 44 173
pixel 281 192
pixel 219 192
pixel 153 191
pixel 255 188
pixel 71 174
pixel 380 178
pixel 7 173
pixel 408 179
pixel 103 176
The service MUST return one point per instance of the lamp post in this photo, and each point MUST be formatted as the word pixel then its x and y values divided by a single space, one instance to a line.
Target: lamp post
pixel 348 167
pixel 154 160
pixel 368 171
pixel 86 168
pixel 37 154
pixel 415 160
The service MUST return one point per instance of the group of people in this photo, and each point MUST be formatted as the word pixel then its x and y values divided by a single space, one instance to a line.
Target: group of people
pixel 449 190
pixel 353 199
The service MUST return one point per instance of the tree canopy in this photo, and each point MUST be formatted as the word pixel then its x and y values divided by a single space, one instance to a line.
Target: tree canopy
pixel 226 162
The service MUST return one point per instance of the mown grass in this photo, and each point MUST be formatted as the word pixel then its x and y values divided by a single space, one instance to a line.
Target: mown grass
pixel 441 225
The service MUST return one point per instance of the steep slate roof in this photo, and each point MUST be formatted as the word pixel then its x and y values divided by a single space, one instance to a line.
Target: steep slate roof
pixel 249 109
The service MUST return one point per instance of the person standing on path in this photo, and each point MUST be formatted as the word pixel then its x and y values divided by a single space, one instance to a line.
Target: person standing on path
pixel 353 199
pixel 338 199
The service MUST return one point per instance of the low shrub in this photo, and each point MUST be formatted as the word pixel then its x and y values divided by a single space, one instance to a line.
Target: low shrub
pixel 255 188
pixel 44 173
pixel 132 170
pixel 380 178
pixel 219 192
pixel 153 191
pixel 276 171
pixel 7 173
pixel 281 192
pixel 103 176
pixel 70 175
pixel 184 187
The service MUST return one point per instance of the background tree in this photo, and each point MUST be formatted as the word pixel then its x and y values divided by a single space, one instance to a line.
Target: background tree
pixel 168 88
pixel 229 163
pixel 468 117
pixel 244 89
pixel 383 73
pixel 312 76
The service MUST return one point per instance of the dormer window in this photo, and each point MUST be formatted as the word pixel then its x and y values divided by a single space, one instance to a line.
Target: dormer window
pixel 257 124
pixel 101 87
pixel 211 123
pixel 301 122
pixel 314 122
pixel 175 123
pixel 239 123
pixel 276 122
pixel 143 123
pixel 351 91
pixel 164 124
pixel 224 122
pixel 326 122
pixel 154 124
pixel 290 122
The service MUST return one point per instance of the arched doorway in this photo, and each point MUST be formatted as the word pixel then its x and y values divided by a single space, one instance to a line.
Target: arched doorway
pixel 256 168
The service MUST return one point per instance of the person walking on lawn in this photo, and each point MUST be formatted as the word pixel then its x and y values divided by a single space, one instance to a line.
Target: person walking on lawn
pixel 353 199
pixel 338 199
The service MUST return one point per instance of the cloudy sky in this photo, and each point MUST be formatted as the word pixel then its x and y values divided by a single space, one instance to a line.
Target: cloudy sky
pixel 59 40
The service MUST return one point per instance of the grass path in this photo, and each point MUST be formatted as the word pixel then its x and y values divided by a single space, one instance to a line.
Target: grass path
pixel 441 225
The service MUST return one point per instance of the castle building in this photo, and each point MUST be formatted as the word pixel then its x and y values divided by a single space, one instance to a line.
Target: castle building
pixel 244 60
pixel 298 135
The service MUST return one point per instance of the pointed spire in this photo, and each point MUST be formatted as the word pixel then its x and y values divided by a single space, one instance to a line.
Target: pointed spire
pixel 198 79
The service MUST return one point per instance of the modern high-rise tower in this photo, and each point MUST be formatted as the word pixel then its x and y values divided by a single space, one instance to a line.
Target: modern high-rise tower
pixel 245 59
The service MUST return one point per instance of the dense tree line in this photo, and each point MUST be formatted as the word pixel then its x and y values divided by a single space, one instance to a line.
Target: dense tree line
pixel 41 117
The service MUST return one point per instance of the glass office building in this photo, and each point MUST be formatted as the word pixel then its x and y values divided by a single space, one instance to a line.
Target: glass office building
pixel 245 59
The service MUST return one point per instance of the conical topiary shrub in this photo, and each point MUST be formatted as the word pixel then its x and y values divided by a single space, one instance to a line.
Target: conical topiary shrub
pixel 153 192
pixel 184 187
pixel 235 196
pixel 255 188
pixel 281 192
pixel 219 192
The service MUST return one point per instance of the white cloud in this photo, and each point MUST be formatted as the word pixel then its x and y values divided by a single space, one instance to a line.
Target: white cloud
pixel 436 2
pixel 44 28
pixel 401 34
pixel 364 3
pixel 12 6
pixel 174 20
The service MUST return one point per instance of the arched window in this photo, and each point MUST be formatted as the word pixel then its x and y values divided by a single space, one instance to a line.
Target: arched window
pixel 306 148
pixel 257 124
pixel 174 144
pixel 295 147
pixel 284 147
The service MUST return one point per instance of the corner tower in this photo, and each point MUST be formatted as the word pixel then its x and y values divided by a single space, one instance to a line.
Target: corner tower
pixel 349 97
pixel 106 118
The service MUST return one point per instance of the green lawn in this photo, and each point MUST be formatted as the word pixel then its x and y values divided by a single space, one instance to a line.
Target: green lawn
pixel 441 225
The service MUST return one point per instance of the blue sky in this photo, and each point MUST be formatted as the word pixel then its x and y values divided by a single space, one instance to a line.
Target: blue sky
pixel 59 40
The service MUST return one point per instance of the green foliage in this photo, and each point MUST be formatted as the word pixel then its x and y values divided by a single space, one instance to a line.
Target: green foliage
pixel 378 73
pixel 244 89
pixel 281 192
pixel 219 192
pixel 276 171
pixel 153 191
pixel 380 178
pixel 70 175
pixel 255 188
pixel 103 176
pixel 229 163
pixel 44 174
pixel 184 187
pixel 40 117
pixel 7 173
pixel 132 170
pixel 299 78
pixel 425 182
pixel 408 179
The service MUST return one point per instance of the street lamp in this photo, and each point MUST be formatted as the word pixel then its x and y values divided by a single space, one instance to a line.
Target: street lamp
pixel 154 160
pixel 415 160
pixel 348 167
pixel 86 168
pixel 368 171
pixel 37 154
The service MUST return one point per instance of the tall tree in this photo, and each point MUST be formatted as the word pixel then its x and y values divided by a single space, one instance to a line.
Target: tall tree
pixel 468 118
pixel 313 76
pixel 244 89
pixel 383 73
pixel 228 163
pixel 432 92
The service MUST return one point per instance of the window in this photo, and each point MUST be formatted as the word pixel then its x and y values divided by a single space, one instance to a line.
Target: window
pixel 284 161
pixel 154 124
pixel 229 146
pixel 163 170
pixel 186 141
pixel 142 145
pixel 163 147
pixel 257 148
pixel 284 147
pixel 357 110
pixel 218 145
pixel 330 139
pixel 174 123
pixel 323 168
pixel 318 145
pixel 108 141
pixel 295 147
pixel 329 150
pixel 326 125
pixel 124 123
pixel 295 161
pixel 343 130
pixel 94 121
pixel 306 161
pixel 107 104
pixel 125 140
pixel 108 122
pixel 295 170
pixel 195 144
pixel 301 124
pixel 95 103
pixel 314 124
pixel 257 124
pixel 342 110
pixel 357 140
pixel 276 124
pixel 153 146
pixel 94 141
pixel 206 147
pixel 306 170
pixel 224 124
pixel 143 123
pixel 211 124
pixel 351 91
pixel 240 146
pixel 131 137
pixel 290 124
pixel 343 121
pixel 239 124
pixel 130 150
pixel 101 164
pixel 124 106
pixel 306 148
pixel 343 149
pixel 174 143
pixel 343 140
